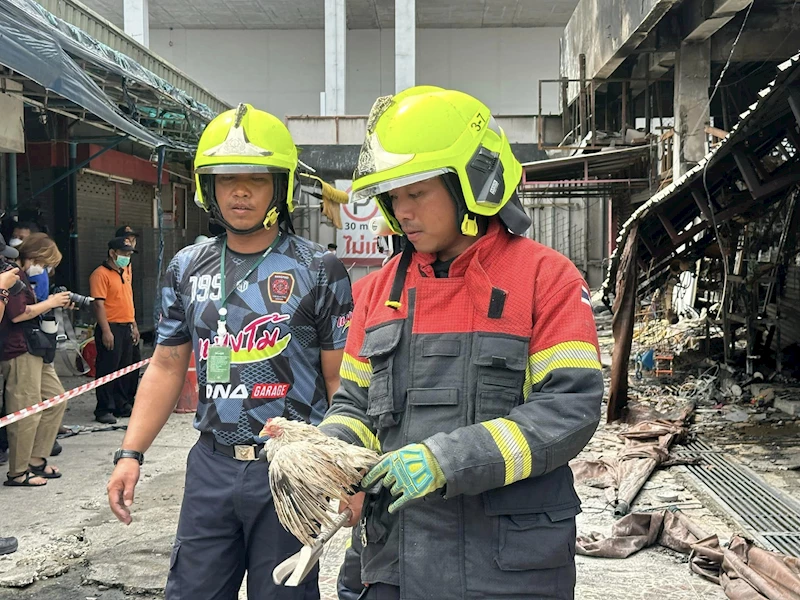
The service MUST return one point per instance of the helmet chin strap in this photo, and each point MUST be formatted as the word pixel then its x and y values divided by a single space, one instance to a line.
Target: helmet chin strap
pixel 466 222
pixel 270 218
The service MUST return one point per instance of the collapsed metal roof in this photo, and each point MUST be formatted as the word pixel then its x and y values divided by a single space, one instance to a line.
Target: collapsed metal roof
pixel 755 164
pixel 587 174
pixel 65 70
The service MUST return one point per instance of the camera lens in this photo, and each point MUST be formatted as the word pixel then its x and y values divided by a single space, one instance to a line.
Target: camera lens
pixel 17 288
pixel 80 300
pixel 19 285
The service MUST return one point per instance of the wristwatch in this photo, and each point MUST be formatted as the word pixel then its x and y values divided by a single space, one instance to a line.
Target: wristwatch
pixel 128 454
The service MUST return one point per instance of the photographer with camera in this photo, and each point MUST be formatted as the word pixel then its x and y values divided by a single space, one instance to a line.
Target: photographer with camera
pixel 29 378
pixel 9 284
pixel 9 277
pixel 110 284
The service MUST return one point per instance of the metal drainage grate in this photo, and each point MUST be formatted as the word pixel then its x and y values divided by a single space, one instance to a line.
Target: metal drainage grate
pixel 772 517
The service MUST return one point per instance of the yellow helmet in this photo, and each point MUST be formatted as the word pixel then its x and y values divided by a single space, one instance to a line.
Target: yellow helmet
pixel 428 131
pixel 245 140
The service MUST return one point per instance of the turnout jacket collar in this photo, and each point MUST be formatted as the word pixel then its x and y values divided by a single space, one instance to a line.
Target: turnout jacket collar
pixel 481 252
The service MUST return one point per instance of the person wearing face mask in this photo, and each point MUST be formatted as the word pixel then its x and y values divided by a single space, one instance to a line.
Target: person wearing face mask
pixel 131 380
pixel 21 231
pixel 28 372
pixel 110 285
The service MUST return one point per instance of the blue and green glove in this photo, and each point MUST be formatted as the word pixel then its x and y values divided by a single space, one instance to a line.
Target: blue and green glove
pixel 411 472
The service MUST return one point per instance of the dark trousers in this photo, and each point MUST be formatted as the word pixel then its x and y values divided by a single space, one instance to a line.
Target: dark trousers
pixel 131 380
pixel 4 430
pixel 113 396
pixel 227 526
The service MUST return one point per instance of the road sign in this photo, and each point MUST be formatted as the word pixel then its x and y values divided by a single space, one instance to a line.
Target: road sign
pixel 356 245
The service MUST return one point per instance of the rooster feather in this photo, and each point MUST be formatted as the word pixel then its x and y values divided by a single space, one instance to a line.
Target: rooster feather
pixel 307 469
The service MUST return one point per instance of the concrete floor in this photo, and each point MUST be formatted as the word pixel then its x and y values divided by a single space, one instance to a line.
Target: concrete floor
pixel 72 548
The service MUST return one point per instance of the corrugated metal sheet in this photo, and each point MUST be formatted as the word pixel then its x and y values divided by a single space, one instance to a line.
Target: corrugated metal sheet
pixel 598 164
pixel 790 310
pixel 95 224
pixel 136 205
pixel 104 31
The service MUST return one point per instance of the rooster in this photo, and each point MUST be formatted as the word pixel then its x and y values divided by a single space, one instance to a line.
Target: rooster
pixel 307 469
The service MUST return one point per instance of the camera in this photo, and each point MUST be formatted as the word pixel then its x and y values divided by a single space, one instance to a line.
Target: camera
pixel 79 300
pixel 19 286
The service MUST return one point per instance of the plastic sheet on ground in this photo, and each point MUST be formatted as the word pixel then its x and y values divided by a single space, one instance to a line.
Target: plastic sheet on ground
pixel 743 570
pixel 647 445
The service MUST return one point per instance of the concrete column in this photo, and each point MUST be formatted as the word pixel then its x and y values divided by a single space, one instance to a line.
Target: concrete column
pixel 692 83
pixel 335 56
pixel 136 17
pixel 405 44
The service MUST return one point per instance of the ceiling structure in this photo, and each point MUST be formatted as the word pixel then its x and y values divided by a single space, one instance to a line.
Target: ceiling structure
pixel 361 14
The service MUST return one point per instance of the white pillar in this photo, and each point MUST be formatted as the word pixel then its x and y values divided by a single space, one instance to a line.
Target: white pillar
pixel 136 17
pixel 335 56
pixel 405 44
pixel 692 82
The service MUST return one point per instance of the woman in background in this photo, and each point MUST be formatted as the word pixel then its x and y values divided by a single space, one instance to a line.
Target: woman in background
pixel 29 380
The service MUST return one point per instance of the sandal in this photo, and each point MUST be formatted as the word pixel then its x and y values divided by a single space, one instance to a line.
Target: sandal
pixel 41 470
pixel 26 482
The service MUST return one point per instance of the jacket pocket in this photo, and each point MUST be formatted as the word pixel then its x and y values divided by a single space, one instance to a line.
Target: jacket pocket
pixel 379 347
pixel 432 411
pixel 535 521
pixel 536 540
pixel 500 362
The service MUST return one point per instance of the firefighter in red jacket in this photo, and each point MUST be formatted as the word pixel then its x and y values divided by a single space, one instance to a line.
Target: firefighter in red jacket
pixel 471 361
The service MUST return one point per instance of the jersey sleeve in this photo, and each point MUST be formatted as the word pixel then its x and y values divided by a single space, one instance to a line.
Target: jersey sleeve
pixel 334 303
pixel 173 330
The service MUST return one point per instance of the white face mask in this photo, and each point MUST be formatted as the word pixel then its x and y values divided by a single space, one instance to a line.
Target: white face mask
pixel 14 242
pixel 35 270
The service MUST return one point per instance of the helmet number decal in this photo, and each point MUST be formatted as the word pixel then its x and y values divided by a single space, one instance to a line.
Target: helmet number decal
pixel 477 124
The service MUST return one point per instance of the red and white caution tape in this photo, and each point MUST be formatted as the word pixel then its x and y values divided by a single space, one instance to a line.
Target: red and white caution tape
pixel 37 408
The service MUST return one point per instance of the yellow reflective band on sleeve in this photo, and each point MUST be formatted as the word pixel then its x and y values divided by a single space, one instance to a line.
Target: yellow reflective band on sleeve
pixel 567 355
pixel 513 447
pixel 367 438
pixel 356 371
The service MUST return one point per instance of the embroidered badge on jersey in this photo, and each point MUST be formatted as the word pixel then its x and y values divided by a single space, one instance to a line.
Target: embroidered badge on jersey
pixel 280 287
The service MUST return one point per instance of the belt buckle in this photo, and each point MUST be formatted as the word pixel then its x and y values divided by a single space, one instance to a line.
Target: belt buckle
pixel 244 453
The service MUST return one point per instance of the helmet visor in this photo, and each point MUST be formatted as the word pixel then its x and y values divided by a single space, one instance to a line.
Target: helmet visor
pixel 236 169
pixel 377 189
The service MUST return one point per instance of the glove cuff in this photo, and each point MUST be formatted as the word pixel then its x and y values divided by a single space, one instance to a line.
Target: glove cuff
pixel 439 480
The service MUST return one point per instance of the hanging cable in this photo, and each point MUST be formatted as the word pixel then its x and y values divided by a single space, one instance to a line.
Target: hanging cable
pixel 722 250
pixel 725 68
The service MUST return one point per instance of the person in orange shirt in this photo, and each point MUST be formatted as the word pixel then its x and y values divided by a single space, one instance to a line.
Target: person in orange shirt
pixel 131 380
pixel 110 285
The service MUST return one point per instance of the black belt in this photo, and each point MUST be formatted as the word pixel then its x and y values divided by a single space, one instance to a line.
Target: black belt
pixel 239 452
